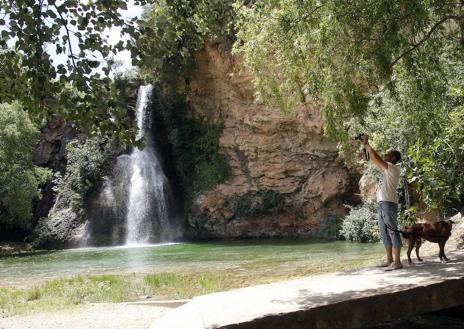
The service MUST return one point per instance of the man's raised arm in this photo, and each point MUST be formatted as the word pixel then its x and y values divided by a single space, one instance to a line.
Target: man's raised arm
pixel 376 159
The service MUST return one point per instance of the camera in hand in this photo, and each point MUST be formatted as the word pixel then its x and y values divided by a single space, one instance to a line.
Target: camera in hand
pixel 359 136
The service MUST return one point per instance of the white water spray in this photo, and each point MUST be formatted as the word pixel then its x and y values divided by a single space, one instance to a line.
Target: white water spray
pixel 147 208
pixel 134 206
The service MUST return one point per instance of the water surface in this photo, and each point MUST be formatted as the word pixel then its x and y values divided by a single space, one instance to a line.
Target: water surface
pixel 264 258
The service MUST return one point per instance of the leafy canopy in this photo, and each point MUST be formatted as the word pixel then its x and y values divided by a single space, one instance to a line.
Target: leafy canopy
pixel 173 30
pixel 424 120
pixel 32 32
pixel 340 54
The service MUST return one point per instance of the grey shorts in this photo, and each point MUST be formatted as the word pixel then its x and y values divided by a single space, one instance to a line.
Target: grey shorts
pixel 388 214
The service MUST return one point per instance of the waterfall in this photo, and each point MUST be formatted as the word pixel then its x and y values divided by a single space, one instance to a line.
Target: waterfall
pixel 147 208
pixel 135 204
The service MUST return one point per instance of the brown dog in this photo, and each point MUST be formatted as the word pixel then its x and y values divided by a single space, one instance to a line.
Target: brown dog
pixel 438 232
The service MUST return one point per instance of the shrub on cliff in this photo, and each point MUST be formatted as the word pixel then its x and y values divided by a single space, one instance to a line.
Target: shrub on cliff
pixel 361 224
pixel 255 204
pixel 191 148
pixel 86 165
pixel 19 178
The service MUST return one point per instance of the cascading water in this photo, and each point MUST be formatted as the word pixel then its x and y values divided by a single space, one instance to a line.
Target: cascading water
pixel 147 183
pixel 135 205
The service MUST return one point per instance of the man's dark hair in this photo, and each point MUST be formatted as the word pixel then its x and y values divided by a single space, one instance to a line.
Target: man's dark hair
pixel 397 156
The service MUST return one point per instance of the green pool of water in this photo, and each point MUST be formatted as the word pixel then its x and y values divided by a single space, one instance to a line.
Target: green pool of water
pixel 261 259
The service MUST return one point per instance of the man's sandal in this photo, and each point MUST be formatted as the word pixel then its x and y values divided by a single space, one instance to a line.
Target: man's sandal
pixel 393 267
pixel 385 264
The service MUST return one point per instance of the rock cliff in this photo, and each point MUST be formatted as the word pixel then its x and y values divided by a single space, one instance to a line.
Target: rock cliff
pixel 286 178
pixel 56 222
pixel 50 152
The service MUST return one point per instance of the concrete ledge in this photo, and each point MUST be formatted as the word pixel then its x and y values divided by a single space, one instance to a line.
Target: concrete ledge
pixel 163 303
pixel 338 300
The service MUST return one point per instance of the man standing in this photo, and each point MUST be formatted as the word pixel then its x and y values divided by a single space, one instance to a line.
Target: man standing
pixel 387 198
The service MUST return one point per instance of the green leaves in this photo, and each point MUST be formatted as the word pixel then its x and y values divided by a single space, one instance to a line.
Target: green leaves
pixel 423 120
pixel 191 147
pixel 86 164
pixel 361 224
pixel 391 68
pixel 77 29
pixel 5 34
pixel 173 30
pixel 439 164
pixel 19 178
pixel 339 55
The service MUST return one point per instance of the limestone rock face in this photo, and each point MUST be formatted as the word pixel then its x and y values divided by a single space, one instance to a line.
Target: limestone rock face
pixel 50 151
pixel 284 172
pixel 368 187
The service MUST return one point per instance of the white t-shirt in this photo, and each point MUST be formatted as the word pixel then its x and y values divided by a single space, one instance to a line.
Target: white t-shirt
pixel 389 179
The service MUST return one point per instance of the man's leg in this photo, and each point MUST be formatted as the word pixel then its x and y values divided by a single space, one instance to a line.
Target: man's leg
pixel 390 218
pixel 384 236
pixel 397 256
pixel 389 255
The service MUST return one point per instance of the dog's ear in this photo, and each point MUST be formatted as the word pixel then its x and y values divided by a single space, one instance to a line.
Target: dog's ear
pixel 450 221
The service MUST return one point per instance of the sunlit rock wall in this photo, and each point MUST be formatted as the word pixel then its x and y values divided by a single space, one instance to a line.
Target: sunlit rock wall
pixel 286 179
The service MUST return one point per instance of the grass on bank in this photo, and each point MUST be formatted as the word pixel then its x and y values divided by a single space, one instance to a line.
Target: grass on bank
pixel 66 293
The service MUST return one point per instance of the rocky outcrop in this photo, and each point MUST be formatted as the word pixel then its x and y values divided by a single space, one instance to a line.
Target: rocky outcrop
pixel 368 187
pixel 50 152
pixel 56 221
pixel 269 153
pixel 64 227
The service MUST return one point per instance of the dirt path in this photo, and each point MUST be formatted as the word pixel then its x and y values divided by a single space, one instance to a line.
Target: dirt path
pixel 90 316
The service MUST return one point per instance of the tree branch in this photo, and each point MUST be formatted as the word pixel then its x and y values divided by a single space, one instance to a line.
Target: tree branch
pixel 65 25
pixel 427 36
